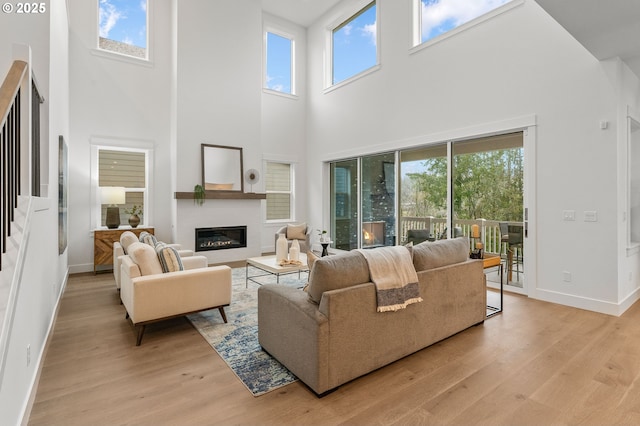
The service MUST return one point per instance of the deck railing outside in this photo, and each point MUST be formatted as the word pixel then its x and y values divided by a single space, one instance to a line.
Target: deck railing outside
pixel 489 229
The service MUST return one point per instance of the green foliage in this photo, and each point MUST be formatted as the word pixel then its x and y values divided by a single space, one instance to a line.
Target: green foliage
pixel 486 185
pixel 198 195
pixel 136 210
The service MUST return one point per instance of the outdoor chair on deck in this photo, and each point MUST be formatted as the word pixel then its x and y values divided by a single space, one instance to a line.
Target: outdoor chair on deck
pixel 416 236
pixel 511 235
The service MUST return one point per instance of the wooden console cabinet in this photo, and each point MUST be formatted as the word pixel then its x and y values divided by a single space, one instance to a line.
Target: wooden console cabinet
pixel 103 244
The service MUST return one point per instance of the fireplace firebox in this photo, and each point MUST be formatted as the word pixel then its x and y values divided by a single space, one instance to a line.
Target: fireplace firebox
pixel 221 238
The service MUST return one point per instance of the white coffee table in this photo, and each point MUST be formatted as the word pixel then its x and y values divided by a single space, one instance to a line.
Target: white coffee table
pixel 269 265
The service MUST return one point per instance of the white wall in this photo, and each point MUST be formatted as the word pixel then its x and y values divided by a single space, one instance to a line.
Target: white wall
pixel 44 274
pixel 480 78
pixel 218 101
pixel 126 102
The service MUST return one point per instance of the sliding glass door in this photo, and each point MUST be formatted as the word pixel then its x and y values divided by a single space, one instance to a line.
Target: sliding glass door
pixel 363 212
pixel 442 191
pixel 344 204
pixel 487 190
pixel 423 189
pixel 378 201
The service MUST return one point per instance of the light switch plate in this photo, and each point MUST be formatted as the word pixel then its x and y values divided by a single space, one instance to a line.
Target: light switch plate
pixel 590 216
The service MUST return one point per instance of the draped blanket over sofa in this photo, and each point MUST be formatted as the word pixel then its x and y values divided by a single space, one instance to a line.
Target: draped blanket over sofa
pixel 333 333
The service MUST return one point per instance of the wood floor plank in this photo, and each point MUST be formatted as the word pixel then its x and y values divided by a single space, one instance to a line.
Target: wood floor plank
pixel 536 363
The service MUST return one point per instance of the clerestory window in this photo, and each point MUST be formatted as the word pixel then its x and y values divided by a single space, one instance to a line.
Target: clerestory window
pixel 123 27
pixel 354 44
pixel 279 70
pixel 437 17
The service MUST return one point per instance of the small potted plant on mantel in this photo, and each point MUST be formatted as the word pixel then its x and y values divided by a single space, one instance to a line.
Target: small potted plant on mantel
pixel 198 195
pixel 135 212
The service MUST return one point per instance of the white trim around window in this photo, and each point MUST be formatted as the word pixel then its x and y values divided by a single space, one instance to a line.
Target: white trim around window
pixel 416 21
pixel 357 6
pixel 268 28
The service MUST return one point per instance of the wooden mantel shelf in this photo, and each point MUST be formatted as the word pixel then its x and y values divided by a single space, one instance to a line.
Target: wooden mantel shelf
pixel 223 195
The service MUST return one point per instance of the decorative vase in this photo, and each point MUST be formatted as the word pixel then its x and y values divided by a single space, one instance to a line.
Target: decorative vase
pixel 294 251
pixel 134 220
pixel 281 248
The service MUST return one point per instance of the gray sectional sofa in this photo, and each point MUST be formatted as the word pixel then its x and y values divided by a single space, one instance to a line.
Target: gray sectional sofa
pixel 332 333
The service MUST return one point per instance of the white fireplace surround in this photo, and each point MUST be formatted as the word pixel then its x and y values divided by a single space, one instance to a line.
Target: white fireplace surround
pixel 219 213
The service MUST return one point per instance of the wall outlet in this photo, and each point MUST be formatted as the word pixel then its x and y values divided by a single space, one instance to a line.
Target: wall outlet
pixel 28 355
pixel 566 276
pixel 569 215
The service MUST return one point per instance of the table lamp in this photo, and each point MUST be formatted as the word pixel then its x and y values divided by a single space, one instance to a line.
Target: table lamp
pixel 113 195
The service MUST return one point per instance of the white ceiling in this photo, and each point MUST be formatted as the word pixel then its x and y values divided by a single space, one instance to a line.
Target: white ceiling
pixel 607 29
pixel 301 12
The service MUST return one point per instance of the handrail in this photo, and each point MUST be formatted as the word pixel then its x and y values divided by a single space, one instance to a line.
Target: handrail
pixel 10 148
pixel 10 87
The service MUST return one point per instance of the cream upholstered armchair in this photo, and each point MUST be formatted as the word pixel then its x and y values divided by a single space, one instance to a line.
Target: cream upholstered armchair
pixel 120 249
pixel 149 294
pixel 300 232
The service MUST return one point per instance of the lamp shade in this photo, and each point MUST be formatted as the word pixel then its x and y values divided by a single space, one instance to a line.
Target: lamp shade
pixel 112 194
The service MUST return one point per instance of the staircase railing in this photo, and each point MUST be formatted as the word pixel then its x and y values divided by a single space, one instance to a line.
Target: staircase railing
pixel 10 131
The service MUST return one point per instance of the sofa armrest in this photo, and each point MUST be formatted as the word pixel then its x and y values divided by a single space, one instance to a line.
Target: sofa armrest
pixel 194 262
pixel 117 252
pixel 291 328
pixel 158 296
pixel 185 253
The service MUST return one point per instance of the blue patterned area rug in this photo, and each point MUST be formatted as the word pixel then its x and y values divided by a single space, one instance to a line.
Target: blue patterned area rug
pixel 237 341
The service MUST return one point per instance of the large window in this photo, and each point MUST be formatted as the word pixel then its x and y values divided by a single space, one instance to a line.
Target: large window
pixel 279 189
pixel 123 27
pixel 124 168
pixel 354 44
pixel 436 17
pixel 279 71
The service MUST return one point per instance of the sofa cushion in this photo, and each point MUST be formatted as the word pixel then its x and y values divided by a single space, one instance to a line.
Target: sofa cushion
pixel 296 232
pixel 148 238
pixel 430 255
pixel 169 258
pixel 335 272
pixel 146 258
pixel 126 239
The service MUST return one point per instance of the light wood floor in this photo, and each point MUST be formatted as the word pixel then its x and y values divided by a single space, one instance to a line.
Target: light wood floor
pixel 537 363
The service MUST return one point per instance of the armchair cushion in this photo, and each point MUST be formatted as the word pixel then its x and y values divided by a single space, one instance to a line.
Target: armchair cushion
pixel 169 258
pixel 146 258
pixel 297 232
pixel 126 239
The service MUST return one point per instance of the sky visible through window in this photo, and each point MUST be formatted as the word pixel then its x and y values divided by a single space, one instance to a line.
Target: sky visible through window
pixel 440 16
pixel 278 63
pixel 124 21
pixel 354 45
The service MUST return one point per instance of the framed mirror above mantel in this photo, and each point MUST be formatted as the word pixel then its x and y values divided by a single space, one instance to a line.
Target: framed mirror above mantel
pixel 222 175
pixel 222 168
